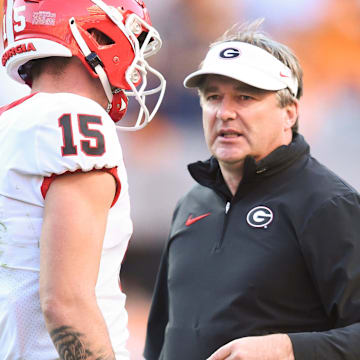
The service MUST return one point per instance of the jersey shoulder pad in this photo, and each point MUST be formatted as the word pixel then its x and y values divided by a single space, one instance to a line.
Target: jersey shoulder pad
pixel 74 133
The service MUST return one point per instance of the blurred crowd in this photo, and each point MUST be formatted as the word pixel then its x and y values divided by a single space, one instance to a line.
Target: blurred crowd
pixel 325 35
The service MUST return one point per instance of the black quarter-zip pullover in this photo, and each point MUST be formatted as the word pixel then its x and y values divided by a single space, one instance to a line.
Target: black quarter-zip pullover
pixel 281 256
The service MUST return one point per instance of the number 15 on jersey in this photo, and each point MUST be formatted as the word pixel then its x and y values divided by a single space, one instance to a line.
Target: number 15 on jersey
pixel 90 141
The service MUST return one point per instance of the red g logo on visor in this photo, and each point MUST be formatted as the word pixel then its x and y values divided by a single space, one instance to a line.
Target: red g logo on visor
pixel 230 53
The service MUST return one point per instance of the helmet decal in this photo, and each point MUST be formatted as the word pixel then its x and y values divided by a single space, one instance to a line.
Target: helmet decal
pixel 44 18
pixel 18 49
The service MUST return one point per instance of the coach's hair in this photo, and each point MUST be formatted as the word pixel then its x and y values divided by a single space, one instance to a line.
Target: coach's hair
pixel 250 33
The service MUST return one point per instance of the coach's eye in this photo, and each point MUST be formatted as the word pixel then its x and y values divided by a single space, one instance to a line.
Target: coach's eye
pixel 212 97
pixel 245 97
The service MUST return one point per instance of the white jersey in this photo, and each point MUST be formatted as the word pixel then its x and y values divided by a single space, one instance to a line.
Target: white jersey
pixel 41 136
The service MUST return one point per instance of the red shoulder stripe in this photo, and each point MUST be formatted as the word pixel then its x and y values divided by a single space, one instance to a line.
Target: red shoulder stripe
pixel 15 103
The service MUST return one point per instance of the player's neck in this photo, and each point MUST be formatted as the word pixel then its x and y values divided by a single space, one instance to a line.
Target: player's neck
pixel 74 79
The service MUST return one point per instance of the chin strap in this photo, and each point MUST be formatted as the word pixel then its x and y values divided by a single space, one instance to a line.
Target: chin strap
pixel 92 59
pixel 117 103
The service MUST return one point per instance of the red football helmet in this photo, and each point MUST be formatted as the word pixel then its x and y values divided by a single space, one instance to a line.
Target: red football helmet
pixel 35 29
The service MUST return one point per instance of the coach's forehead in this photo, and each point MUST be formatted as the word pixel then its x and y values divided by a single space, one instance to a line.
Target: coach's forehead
pixel 211 82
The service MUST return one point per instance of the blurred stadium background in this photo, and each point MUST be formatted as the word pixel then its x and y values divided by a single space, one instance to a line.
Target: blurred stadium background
pixel 325 35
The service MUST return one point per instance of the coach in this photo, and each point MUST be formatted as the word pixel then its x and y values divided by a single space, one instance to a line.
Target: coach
pixel 263 258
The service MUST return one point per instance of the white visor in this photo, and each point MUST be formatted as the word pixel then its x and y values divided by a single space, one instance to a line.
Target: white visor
pixel 247 63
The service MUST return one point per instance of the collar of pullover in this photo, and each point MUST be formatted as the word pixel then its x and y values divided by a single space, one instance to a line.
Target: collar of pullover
pixel 208 173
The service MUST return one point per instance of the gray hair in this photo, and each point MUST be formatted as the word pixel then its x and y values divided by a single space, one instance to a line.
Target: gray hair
pixel 250 33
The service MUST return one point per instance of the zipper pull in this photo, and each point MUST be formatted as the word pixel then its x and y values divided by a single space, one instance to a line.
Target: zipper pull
pixel 227 207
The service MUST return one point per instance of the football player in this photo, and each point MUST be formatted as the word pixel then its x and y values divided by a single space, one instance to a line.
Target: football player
pixel 64 203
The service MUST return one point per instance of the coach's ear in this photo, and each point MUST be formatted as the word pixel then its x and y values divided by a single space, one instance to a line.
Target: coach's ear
pixel 291 113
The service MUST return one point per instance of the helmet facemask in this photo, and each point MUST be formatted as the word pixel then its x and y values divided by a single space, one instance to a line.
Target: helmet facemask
pixel 134 29
pixel 150 45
